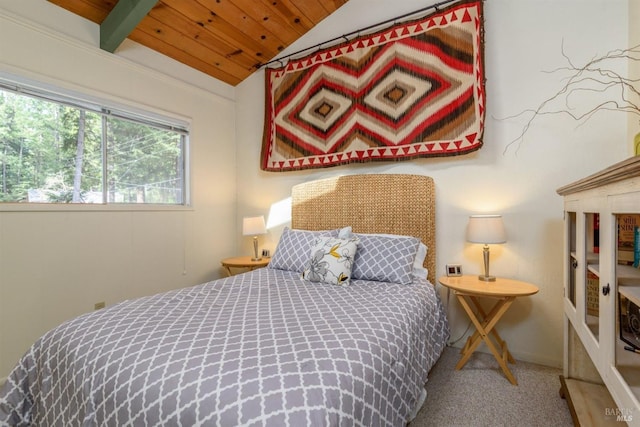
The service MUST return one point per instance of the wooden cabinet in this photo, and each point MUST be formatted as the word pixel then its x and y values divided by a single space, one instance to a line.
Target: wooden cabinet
pixel 601 375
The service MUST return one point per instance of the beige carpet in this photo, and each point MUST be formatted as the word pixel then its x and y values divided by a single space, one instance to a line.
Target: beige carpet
pixel 480 395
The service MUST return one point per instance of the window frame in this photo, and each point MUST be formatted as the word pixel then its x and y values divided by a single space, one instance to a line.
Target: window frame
pixel 106 108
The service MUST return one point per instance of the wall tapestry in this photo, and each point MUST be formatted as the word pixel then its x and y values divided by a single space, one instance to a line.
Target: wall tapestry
pixel 415 89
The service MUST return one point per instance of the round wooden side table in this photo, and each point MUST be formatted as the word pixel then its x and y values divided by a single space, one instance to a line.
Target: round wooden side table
pixel 243 262
pixel 468 289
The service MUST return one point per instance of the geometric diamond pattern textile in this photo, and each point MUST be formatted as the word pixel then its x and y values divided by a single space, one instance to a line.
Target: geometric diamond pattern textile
pixel 262 348
pixel 292 251
pixel 415 89
pixel 385 258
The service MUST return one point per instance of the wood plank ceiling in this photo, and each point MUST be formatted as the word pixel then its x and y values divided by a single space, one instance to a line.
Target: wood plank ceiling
pixel 226 39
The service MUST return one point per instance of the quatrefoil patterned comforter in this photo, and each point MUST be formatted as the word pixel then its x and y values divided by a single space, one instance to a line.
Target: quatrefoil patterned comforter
pixel 263 348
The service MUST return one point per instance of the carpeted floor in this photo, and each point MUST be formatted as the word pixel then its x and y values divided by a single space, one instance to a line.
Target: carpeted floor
pixel 480 395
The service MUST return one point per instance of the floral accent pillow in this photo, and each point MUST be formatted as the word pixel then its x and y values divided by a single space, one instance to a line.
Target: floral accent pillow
pixel 331 261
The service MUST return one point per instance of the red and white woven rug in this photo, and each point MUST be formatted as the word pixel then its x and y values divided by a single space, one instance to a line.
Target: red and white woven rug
pixel 415 89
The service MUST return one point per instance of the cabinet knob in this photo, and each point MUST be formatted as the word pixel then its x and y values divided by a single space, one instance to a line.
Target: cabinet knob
pixel 606 290
pixel 574 263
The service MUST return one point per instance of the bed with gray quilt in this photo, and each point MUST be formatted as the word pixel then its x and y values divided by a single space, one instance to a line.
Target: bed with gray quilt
pixel 287 345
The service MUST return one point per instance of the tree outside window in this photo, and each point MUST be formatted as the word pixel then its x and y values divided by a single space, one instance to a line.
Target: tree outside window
pixel 52 152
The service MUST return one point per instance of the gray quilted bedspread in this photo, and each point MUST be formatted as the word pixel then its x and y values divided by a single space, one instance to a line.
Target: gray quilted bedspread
pixel 262 348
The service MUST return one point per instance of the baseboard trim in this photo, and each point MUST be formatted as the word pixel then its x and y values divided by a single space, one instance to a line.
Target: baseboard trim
pixel 524 357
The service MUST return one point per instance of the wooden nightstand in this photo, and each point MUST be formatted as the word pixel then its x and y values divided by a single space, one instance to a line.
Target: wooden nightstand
pixel 243 262
pixel 470 288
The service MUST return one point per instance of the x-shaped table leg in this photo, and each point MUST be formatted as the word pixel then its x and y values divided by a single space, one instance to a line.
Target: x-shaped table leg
pixel 484 329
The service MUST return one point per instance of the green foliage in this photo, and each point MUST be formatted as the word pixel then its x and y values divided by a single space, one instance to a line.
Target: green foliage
pixel 143 163
pixel 39 156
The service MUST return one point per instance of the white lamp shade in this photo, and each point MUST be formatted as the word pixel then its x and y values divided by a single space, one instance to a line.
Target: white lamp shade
pixel 254 225
pixel 486 229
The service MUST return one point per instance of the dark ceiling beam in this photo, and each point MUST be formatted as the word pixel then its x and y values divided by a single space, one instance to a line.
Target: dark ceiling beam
pixel 121 21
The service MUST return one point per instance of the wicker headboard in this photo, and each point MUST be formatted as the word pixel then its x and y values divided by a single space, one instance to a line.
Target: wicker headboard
pixel 376 203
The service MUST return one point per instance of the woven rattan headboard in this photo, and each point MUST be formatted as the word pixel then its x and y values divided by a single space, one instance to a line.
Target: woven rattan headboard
pixel 377 203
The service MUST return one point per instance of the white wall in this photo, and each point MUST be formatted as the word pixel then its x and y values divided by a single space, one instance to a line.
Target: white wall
pixel 523 39
pixel 56 265
pixel 634 68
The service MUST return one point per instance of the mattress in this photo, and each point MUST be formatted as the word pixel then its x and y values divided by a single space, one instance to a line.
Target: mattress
pixel 263 348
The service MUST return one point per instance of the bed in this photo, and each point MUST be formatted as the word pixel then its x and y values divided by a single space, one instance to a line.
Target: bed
pixel 265 347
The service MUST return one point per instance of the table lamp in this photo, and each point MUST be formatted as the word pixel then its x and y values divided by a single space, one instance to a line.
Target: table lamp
pixel 252 226
pixel 486 229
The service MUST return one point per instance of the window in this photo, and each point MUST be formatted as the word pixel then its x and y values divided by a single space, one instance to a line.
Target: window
pixel 55 149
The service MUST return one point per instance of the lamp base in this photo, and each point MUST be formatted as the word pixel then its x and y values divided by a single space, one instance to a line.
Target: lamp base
pixel 256 257
pixel 485 255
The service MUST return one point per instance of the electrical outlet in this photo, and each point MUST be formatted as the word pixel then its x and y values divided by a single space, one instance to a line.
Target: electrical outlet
pixel 454 270
pixel 99 305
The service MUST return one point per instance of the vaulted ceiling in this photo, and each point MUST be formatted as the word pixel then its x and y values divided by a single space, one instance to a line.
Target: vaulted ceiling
pixel 226 39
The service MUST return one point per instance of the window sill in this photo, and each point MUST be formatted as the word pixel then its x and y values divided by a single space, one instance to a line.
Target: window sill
pixel 90 207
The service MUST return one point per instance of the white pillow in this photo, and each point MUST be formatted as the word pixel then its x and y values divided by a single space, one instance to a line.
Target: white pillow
pixel 345 232
pixel 419 269
pixel 331 261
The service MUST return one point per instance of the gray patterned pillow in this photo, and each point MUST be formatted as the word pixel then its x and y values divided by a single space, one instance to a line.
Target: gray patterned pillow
pixel 292 252
pixel 331 261
pixel 385 258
